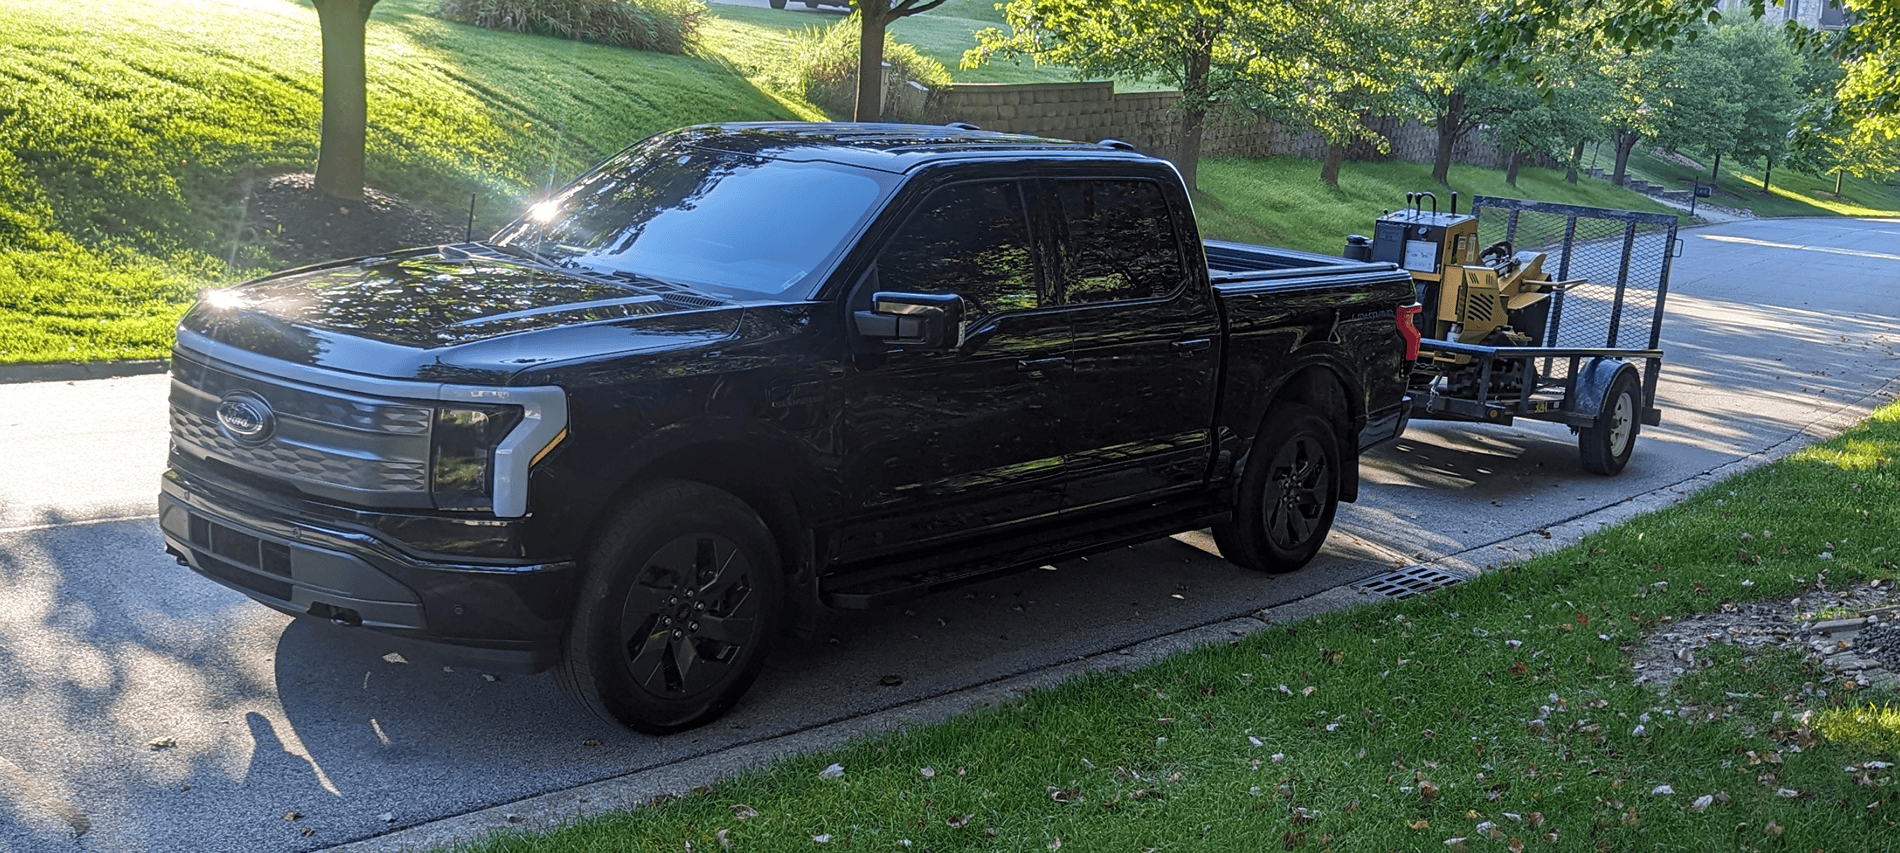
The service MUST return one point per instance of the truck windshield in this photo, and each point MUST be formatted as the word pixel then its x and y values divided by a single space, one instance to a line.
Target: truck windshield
pixel 735 225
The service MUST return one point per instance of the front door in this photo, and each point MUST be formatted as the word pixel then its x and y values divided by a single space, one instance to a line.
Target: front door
pixel 942 444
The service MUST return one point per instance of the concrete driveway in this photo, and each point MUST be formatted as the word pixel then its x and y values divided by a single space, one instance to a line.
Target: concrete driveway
pixel 144 708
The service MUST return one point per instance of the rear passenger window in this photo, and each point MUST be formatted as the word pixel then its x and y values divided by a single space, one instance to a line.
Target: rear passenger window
pixel 1119 243
pixel 967 239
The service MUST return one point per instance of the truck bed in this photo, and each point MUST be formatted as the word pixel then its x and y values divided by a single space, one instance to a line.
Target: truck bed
pixel 1231 265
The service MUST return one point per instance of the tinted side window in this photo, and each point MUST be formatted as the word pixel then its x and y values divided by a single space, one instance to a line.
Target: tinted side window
pixel 967 239
pixel 1121 242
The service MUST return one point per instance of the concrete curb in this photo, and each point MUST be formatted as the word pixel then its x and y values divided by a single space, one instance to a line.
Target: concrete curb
pixel 73 371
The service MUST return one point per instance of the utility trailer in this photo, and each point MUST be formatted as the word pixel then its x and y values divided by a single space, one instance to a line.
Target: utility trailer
pixel 1566 328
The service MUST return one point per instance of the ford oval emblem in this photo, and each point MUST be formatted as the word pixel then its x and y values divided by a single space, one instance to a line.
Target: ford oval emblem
pixel 246 418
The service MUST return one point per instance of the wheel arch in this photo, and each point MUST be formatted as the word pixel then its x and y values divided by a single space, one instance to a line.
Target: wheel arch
pixel 1323 388
pixel 768 473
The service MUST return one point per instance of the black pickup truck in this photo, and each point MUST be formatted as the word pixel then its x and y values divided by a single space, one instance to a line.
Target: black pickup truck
pixel 740 373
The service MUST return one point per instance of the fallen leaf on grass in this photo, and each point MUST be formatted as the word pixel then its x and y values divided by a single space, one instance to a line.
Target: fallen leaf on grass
pixel 1772 829
pixel 1421 823
pixel 744 812
pixel 822 839
pixel 960 821
pixel 835 771
pixel 928 772
pixel 1702 804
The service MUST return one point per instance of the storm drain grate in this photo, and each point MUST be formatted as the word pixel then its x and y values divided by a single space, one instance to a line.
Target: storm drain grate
pixel 1406 583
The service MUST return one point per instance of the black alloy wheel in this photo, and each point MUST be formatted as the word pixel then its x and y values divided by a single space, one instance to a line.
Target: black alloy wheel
pixel 681 602
pixel 1289 493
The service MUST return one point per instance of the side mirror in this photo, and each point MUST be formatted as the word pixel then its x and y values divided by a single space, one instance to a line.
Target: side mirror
pixel 914 320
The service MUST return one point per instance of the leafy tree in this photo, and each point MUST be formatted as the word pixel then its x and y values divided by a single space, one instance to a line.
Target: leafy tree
pixel 344 25
pixel 1637 93
pixel 877 15
pixel 1731 91
pixel 1516 32
pixel 1293 62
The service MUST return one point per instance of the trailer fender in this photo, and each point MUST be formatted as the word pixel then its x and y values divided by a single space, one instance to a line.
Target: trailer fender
pixel 1593 383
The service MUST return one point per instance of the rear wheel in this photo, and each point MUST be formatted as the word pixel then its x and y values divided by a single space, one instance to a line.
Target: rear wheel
pixel 1288 494
pixel 1606 446
pixel 777 4
pixel 682 598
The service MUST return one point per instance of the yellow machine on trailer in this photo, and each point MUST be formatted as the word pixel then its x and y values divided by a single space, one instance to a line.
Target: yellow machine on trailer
pixel 1525 310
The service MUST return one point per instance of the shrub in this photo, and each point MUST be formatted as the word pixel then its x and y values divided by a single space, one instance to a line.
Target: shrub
pixel 824 67
pixel 665 26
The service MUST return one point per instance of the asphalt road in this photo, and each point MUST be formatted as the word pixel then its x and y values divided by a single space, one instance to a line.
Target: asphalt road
pixel 143 708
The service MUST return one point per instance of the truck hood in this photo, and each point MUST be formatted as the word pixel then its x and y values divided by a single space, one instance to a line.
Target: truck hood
pixel 459 313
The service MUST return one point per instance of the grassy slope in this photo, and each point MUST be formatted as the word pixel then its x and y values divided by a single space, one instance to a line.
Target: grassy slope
pixel 1790 194
pixel 129 129
pixel 1281 201
pixel 1506 704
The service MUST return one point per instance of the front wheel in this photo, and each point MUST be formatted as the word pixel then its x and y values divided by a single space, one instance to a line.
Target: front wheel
pixel 1288 494
pixel 777 4
pixel 1606 446
pixel 682 597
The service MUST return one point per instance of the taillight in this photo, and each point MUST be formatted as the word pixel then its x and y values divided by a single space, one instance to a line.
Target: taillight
pixel 1408 329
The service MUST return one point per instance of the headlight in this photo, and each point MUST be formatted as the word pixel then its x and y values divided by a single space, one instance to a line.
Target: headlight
pixel 462 453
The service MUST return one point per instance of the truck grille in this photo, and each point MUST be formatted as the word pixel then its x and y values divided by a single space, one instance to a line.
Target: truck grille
pixel 324 443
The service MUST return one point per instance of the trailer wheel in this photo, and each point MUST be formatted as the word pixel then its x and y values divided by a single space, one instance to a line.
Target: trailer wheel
pixel 1288 495
pixel 681 600
pixel 1606 445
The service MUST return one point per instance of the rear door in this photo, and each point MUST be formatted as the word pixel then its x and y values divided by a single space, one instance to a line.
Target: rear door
pixel 1147 337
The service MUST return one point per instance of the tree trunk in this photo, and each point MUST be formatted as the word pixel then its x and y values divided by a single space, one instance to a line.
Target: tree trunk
pixel 1187 157
pixel 1768 173
pixel 1716 172
pixel 1449 129
pixel 1335 155
pixel 870 106
pixel 1194 106
pixel 344 24
pixel 1838 175
pixel 1511 163
pixel 1625 140
pixel 1576 162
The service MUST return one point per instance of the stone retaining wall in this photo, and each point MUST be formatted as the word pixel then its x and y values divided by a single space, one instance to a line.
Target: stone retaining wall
pixel 1148 120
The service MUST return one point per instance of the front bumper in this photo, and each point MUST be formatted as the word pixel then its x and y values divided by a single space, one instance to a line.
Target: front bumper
pixel 498 616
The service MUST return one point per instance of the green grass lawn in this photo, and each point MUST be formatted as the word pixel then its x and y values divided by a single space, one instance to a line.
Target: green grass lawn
pixel 130 128
pixel 1502 714
pixel 1789 193
pixel 1281 201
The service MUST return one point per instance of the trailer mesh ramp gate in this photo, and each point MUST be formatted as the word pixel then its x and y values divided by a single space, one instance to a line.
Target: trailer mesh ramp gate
pixel 1624 257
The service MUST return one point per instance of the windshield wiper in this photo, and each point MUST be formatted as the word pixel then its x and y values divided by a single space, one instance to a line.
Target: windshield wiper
pixel 529 254
pixel 662 286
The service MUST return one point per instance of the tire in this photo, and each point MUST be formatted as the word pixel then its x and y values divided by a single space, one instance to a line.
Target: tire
pixel 1606 446
pixel 776 4
pixel 682 598
pixel 1288 494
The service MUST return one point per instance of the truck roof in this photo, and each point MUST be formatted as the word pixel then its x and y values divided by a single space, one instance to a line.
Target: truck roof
pixel 892 147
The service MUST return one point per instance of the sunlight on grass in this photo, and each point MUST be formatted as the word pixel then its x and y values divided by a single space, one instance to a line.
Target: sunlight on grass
pixel 1874 728
pixel 1841 208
